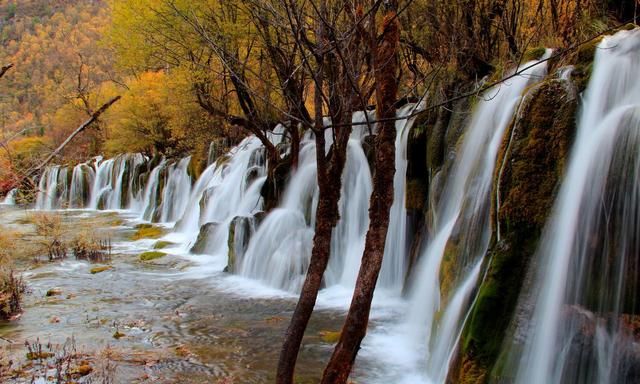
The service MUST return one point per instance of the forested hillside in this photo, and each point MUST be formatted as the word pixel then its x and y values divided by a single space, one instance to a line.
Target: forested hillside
pixel 64 69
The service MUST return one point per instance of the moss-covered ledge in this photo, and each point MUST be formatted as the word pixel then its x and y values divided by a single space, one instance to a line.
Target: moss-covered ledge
pixel 529 168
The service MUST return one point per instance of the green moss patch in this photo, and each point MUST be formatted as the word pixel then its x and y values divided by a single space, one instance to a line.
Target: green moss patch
pixel 147 231
pixel 534 54
pixel 162 244
pixel 151 255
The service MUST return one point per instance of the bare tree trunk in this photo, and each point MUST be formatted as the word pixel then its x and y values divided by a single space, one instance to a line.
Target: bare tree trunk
pixel 75 133
pixel 385 66
pixel 330 184
pixel 330 168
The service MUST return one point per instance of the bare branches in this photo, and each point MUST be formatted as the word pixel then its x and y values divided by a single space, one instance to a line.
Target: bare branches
pixel 4 69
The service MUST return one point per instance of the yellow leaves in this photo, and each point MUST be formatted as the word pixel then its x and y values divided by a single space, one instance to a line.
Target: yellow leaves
pixel 46 54
pixel 26 151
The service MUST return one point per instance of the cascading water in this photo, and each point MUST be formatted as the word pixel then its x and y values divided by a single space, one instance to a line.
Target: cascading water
pixel 102 184
pixel 176 192
pixel 47 196
pixel 10 199
pixel 585 299
pixel 121 196
pixel 82 181
pixel 276 253
pixel 394 263
pixel 279 252
pixel 460 240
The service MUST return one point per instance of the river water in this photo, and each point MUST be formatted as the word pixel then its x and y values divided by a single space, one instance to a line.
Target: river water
pixel 182 320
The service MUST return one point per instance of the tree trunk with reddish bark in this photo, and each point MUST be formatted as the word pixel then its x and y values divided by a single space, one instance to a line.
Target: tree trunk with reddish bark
pixel 385 62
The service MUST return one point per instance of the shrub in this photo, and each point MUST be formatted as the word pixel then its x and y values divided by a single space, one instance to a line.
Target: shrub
pixel 87 246
pixel 11 290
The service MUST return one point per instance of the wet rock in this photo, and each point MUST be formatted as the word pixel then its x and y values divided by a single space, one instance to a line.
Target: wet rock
pixel 151 255
pixel 206 196
pixel 530 164
pixel 207 231
pixel 273 187
pixel 162 244
pixel 118 335
pixel 54 292
pixel 147 231
pixel 100 269
pixel 252 175
pixel 240 231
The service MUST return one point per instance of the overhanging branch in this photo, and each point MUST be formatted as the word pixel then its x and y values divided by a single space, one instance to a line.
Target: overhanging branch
pixel 75 133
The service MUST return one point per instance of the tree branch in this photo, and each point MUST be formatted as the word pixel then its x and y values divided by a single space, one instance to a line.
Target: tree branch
pixel 75 133
pixel 4 69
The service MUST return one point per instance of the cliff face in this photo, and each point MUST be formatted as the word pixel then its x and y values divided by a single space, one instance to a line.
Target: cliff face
pixel 528 170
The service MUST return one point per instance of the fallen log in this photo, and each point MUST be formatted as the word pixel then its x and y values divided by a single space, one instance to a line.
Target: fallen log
pixel 75 133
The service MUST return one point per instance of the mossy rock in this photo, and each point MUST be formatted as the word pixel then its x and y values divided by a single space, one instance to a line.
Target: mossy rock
pixel 536 155
pixel 583 58
pixel 195 168
pixel 448 268
pixel 100 269
pixel 492 312
pixel 533 54
pixel 147 231
pixel 118 335
pixel 54 292
pixel 207 232
pixel 241 229
pixel 468 372
pixel 530 166
pixel 151 255
pixel 162 244
pixel 416 194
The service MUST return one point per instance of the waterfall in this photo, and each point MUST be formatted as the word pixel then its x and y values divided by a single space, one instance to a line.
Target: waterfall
pixel 394 263
pixel 175 194
pixel 460 239
pixel 152 192
pixel 117 183
pixel 589 252
pixel 48 196
pixel 278 254
pixel 102 184
pixel 10 199
pixel 82 180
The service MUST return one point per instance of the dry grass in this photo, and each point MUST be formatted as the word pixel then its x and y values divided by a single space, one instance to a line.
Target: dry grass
pixel 11 286
pixel 50 228
pixel 87 245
